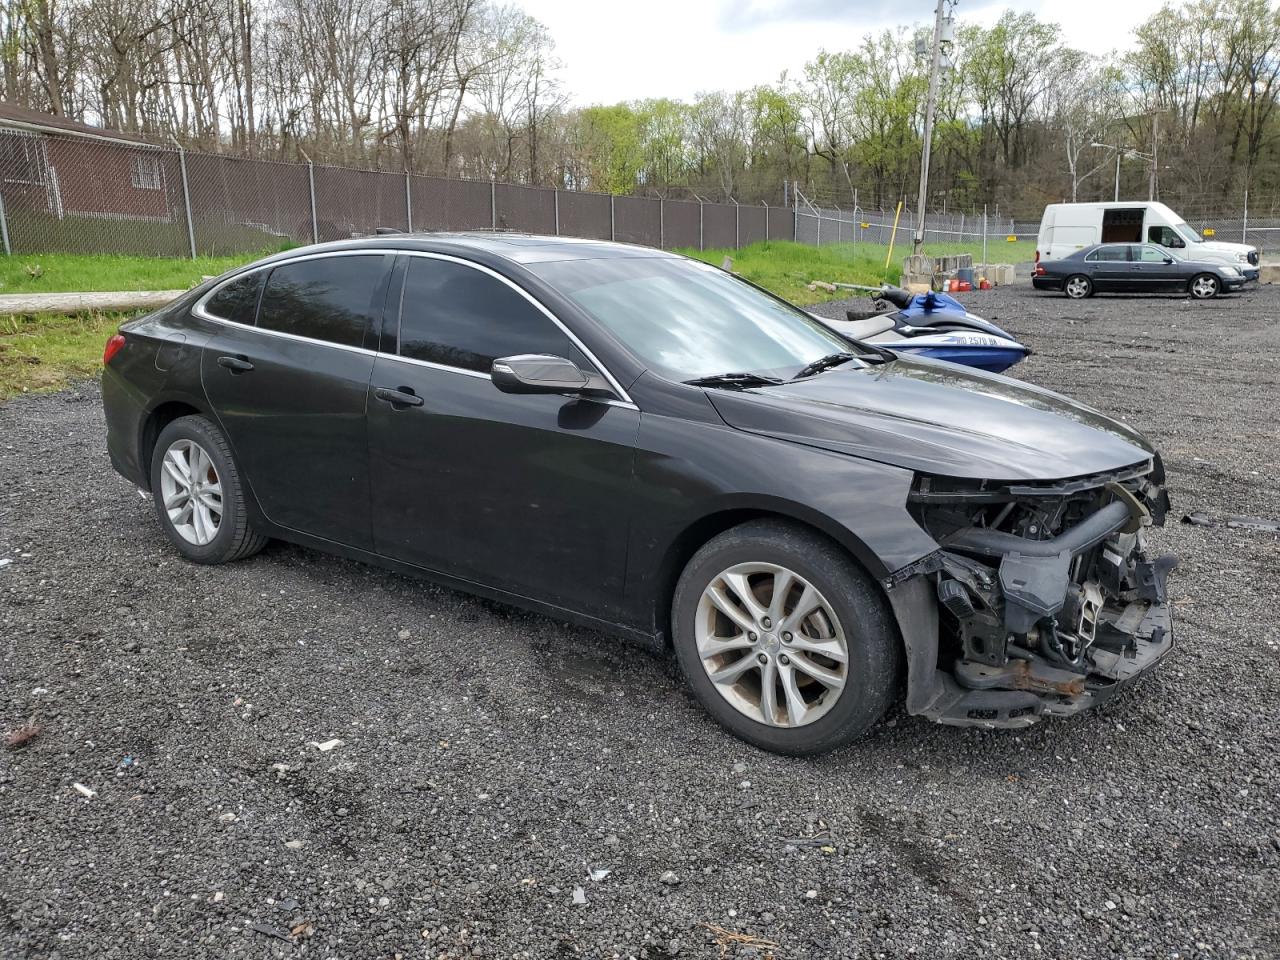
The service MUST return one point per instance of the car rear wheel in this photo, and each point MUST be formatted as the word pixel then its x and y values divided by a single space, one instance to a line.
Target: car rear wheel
pixel 784 640
pixel 1078 287
pixel 198 494
pixel 1204 286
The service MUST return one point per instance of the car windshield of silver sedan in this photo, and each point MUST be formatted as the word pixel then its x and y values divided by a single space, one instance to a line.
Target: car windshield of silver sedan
pixel 690 321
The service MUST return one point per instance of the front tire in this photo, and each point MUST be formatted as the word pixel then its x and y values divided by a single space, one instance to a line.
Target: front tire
pixel 1078 287
pixel 198 494
pixel 784 639
pixel 1204 286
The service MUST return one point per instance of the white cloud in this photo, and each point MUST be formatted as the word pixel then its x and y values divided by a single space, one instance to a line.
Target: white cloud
pixel 675 48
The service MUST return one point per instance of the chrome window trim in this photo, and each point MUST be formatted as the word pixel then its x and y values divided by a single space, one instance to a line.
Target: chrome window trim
pixel 463 371
pixel 200 310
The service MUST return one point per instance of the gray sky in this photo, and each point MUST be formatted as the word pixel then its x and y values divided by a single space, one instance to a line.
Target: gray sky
pixel 673 48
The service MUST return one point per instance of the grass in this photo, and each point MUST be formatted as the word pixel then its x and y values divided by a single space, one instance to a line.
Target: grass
pixel 46 353
pixel 787 268
pixel 78 273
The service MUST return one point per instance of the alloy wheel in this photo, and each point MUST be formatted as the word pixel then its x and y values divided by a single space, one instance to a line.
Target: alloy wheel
pixel 1202 288
pixel 771 644
pixel 191 491
pixel 1077 287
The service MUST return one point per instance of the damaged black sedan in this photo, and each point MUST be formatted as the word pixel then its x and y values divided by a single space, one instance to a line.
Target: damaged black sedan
pixel 642 443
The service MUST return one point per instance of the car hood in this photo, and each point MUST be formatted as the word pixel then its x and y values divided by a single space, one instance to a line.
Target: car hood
pixel 938 418
pixel 1216 248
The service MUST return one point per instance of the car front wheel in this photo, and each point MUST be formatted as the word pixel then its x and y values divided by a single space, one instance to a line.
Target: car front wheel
pixel 198 494
pixel 1078 287
pixel 1204 286
pixel 784 640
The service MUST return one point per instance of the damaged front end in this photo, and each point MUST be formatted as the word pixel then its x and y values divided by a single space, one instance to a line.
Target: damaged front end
pixel 1046 599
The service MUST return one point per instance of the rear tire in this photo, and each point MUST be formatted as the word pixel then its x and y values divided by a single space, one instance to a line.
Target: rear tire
pixel 818 703
pixel 1078 286
pixel 198 494
pixel 1204 286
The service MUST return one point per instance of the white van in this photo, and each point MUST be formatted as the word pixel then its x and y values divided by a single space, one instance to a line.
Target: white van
pixel 1068 227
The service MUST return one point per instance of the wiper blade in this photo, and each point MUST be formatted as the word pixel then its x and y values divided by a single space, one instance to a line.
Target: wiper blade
pixel 824 363
pixel 734 380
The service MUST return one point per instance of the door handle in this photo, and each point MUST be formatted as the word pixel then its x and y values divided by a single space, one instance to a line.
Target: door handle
pixel 235 364
pixel 398 398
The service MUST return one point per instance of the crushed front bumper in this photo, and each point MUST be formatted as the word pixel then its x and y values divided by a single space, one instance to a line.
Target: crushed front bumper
pixel 1046 611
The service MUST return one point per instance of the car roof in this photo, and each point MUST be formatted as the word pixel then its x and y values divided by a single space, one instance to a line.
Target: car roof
pixel 521 248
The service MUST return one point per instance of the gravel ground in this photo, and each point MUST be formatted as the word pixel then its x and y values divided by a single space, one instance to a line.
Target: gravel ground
pixel 489 757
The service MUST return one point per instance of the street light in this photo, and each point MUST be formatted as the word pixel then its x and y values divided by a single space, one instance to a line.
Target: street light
pixel 1126 153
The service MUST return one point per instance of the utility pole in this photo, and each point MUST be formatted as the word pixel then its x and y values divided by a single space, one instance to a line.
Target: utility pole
pixel 1155 154
pixel 930 106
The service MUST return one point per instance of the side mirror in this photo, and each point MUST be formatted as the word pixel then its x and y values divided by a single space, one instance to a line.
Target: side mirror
pixel 1168 259
pixel 537 373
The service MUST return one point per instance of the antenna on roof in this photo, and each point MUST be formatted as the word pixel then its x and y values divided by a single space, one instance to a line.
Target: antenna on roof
pixel 386 231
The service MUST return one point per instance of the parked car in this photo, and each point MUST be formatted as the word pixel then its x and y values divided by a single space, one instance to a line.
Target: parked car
pixel 647 445
pixel 1068 227
pixel 1134 268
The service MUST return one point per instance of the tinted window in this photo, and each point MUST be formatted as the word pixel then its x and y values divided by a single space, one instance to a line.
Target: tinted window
pixel 1118 252
pixel 237 300
pixel 460 317
pixel 330 298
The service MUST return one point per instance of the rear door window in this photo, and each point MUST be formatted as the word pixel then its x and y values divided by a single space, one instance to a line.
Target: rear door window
pixel 1110 254
pixel 332 299
pixel 458 316
pixel 237 300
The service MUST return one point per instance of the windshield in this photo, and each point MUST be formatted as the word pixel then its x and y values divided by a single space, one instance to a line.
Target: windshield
pixel 688 320
pixel 1187 233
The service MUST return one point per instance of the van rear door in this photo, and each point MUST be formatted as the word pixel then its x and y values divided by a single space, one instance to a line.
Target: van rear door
pixel 1122 225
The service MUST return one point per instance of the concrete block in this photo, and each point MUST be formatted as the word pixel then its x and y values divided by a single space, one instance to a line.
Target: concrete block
pixel 997 273
pixel 1270 273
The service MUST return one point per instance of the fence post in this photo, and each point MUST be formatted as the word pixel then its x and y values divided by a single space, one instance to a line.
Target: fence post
pixel 984 234
pixel 767 236
pixel 408 203
pixel 1244 224
pixel 556 192
pixel 4 228
pixel 795 215
pixel 613 232
pixel 493 205
pixel 700 244
pixel 737 232
pixel 662 224
pixel 311 191
pixel 186 194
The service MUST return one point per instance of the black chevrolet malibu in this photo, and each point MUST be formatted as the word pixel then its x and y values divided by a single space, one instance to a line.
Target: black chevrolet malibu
pixel 643 443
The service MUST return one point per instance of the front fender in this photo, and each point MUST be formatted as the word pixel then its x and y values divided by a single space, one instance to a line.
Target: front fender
pixel 689 472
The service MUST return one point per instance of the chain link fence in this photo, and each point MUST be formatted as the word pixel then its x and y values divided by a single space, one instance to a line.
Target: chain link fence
pixel 76 194
pixel 83 194
pixel 822 224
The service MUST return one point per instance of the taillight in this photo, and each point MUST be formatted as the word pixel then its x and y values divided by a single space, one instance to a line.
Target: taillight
pixel 1039 269
pixel 112 348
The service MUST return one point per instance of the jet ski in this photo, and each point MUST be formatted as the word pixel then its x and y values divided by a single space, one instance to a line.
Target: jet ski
pixel 932 325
